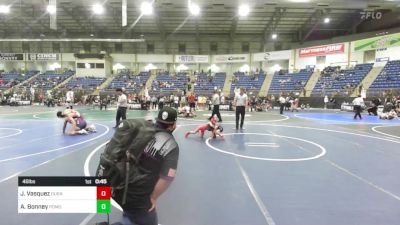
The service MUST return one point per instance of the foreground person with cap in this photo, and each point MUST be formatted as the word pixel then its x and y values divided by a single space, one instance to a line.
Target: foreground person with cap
pixel 156 165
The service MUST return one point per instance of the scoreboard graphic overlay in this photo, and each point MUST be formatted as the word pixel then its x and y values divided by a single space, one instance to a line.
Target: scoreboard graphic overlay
pixel 63 195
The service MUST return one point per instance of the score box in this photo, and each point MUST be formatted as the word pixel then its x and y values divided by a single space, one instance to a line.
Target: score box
pixel 63 195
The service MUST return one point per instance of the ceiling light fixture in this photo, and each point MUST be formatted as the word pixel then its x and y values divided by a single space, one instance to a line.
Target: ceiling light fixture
pixel 97 9
pixel 51 9
pixel 327 20
pixel 194 9
pixel 146 8
pixel 4 9
pixel 274 36
pixel 244 10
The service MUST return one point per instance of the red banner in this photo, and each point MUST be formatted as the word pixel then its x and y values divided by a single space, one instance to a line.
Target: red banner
pixel 322 50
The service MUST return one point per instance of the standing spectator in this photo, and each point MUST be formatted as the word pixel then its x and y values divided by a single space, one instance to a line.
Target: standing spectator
pixel 282 103
pixel 222 98
pixel 253 104
pixel 240 102
pixel 192 102
pixel 122 105
pixel 215 100
pixel 358 102
pixel 326 100
pixel 32 94
pixel 154 102
pixel 70 98
pixel 272 101
pixel 161 102
pixel 176 101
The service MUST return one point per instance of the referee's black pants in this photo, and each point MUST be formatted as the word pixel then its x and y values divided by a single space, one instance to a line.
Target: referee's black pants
pixel 240 111
pixel 216 112
pixel 121 113
pixel 357 109
pixel 282 106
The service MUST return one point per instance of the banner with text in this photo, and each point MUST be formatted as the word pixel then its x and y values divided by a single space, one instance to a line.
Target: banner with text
pixel 192 59
pixel 11 56
pixel 234 58
pixel 43 57
pixel 322 50
pixel 386 41
pixel 267 56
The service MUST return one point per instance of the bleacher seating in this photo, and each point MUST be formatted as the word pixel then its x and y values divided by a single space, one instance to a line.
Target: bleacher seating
pixel 289 82
pixel 10 79
pixel 49 79
pixel 341 81
pixel 85 82
pixel 249 82
pixel 165 83
pixel 129 81
pixel 389 78
pixel 205 85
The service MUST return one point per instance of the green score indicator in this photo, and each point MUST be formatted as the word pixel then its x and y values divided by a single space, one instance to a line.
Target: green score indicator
pixel 103 206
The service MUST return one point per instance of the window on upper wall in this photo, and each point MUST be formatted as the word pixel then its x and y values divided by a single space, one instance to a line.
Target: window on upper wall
pixel 118 47
pixel 213 47
pixel 56 47
pixel 150 48
pixel 245 47
pixel 87 47
pixel 99 65
pixel 182 48
pixel 25 47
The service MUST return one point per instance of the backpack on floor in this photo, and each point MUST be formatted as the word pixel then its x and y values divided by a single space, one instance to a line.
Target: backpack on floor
pixel 119 161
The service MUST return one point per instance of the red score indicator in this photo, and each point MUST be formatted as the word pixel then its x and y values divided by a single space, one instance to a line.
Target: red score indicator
pixel 103 193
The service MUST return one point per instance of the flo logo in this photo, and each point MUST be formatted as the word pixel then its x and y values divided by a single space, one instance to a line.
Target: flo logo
pixel 365 15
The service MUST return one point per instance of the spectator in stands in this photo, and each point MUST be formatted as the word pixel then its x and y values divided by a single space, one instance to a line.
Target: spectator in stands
pixel 358 102
pixel 216 101
pixel 122 105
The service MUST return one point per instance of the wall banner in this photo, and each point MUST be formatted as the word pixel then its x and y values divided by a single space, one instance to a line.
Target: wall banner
pixel 43 57
pixel 386 41
pixel 192 59
pixel 322 50
pixel 234 58
pixel 11 56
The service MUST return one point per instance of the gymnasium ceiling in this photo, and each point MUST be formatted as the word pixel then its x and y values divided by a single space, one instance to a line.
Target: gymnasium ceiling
pixel 295 21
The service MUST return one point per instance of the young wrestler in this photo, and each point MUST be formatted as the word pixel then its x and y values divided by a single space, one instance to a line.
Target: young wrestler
pixel 78 124
pixel 210 126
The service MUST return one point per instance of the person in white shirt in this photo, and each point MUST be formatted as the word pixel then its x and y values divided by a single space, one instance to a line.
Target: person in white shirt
pixel 358 102
pixel 326 100
pixel 70 98
pixel 240 102
pixel 122 105
pixel 215 100
pixel 282 103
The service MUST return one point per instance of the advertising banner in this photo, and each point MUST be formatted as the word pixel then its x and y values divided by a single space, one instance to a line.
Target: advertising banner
pixel 11 56
pixel 322 50
pixel 267 56
pixel 386 41
pixel 234 58
pixel 43 57
pixel 192 59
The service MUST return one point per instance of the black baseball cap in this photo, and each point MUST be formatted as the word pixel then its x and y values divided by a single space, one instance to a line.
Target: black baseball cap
pixel 167 115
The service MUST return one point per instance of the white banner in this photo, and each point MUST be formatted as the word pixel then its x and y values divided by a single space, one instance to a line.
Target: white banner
pixel 192 59
pixel 268 56
pixel 43 56
pixel 234 58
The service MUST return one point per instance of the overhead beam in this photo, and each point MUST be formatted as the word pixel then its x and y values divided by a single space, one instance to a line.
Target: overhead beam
pixel 197 36
pixel 232 32
pixel 272 25
pixel 314 20
pixel 160 28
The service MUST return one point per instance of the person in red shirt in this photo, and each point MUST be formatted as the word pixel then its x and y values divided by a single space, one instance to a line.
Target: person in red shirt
pixel 192 102
pixel 210 126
